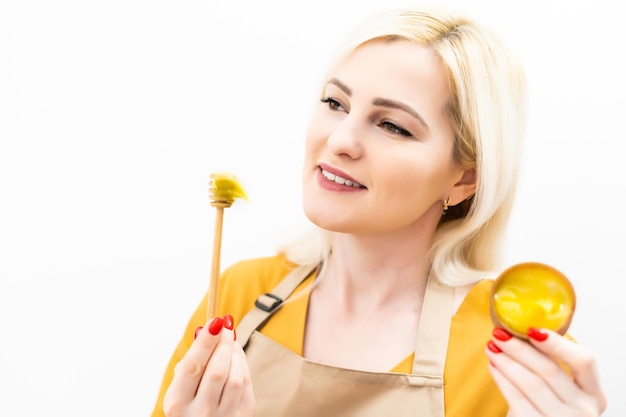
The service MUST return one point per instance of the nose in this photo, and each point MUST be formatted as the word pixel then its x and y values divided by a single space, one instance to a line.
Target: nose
pixel 346 139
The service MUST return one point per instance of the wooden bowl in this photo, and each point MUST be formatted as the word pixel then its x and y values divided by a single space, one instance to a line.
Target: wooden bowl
pixel 532 294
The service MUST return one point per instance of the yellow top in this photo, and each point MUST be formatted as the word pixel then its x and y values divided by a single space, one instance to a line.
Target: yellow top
pixel 469 389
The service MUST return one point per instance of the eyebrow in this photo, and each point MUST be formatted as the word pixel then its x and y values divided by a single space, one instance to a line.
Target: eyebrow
pixel 393 104
pixel 341 86
pixel 383 102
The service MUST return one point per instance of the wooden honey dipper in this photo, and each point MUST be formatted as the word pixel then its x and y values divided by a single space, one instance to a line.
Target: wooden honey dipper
pixel 224 188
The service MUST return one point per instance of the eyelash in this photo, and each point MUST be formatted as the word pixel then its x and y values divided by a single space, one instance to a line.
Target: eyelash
pixel 394 128
pixel 387 125
pixel 332 103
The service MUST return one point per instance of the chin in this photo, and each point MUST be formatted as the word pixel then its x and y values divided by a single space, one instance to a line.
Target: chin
pixel 329 221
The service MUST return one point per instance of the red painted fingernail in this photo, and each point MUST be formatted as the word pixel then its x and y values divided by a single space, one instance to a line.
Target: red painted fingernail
pixel 492 347
pixel 229 322
pixel 216 325
pixel 501 334
pixel 195 334
pixel 537 334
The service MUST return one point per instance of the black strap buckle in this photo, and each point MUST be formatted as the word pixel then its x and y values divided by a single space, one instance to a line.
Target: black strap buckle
pixel 268 302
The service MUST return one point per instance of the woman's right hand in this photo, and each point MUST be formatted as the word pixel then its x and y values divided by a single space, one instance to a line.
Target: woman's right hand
pixel 212 379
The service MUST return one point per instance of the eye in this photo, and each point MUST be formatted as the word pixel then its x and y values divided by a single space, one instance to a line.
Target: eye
pixel 395 129
pixel 333 104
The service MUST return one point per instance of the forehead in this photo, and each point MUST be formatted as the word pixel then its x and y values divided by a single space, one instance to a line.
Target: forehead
pixel 399 69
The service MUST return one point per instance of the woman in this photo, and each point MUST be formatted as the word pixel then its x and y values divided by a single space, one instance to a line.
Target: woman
pixel 410 171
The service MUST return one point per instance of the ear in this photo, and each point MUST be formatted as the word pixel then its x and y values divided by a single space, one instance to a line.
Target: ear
pixel 464 188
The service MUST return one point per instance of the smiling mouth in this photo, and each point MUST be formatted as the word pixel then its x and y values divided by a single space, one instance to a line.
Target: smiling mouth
pixel 340 180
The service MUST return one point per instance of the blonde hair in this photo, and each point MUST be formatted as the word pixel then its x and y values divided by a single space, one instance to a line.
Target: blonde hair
pixel 487 111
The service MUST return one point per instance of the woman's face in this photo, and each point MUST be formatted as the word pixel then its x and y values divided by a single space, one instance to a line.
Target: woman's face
pixel 378 154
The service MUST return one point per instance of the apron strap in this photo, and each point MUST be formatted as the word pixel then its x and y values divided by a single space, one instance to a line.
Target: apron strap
pixel 432 336
pixel 268 303
pixel 433 333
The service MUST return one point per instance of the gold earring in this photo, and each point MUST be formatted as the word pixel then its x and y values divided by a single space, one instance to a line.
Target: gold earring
pixel 446 204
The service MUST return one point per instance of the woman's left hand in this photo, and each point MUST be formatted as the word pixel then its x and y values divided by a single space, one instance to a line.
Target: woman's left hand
pixel 534 383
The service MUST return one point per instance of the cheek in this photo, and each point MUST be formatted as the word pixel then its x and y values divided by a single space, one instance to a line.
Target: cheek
pixel 424 175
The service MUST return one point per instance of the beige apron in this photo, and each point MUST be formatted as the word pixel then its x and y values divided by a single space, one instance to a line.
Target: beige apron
pixel 285 384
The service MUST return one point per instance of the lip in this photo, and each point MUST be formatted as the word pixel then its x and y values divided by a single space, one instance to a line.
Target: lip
pixel 332 185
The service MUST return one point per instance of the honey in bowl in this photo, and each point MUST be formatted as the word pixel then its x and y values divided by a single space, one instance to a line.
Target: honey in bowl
pixel 532 294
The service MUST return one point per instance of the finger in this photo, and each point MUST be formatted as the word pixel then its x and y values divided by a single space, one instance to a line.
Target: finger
pixel 188 372
pixel 236 381
pixel 518 404
pixel 527 389
pixel 579 359
pixel 217 370
pixel 534 371
pixel 248 400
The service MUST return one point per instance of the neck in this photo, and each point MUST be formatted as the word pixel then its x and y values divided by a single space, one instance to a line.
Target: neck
pixel 367 273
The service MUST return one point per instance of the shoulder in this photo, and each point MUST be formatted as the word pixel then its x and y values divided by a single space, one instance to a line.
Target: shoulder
pixel 476 298
pixel 471 322
pixel 264 271
pixel 243 282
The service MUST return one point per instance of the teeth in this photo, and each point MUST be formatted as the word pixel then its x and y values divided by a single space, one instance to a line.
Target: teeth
pixel 340 180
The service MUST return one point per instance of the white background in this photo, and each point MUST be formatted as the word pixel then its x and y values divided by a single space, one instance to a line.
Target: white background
pixel 114 113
